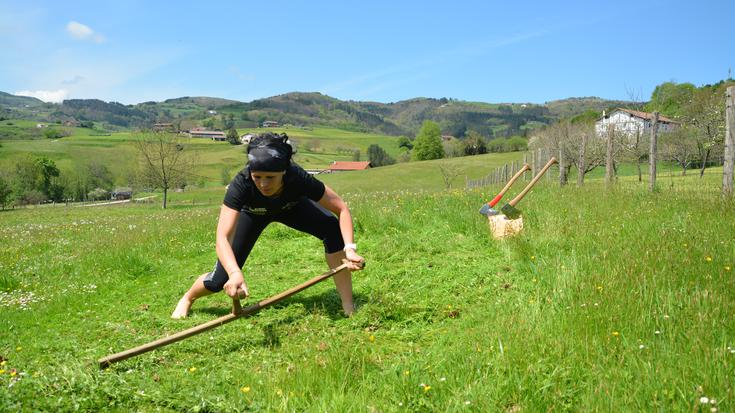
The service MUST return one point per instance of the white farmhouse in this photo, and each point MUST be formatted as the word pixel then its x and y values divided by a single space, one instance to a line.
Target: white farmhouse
pixel 631 122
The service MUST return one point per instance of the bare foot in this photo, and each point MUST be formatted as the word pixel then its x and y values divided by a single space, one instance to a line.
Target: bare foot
pixel 182 308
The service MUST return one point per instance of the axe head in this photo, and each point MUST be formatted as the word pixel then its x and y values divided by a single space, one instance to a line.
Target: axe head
pixel 510 211
pixel 487 211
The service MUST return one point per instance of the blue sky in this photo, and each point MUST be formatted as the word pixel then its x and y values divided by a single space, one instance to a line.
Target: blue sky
pixel 385 51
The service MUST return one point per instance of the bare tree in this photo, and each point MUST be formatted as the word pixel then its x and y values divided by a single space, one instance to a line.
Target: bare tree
pixel 679 146
pixel 165 161
pixel 449 172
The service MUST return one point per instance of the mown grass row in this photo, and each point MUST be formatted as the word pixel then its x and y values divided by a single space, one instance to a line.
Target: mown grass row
pixel 610 299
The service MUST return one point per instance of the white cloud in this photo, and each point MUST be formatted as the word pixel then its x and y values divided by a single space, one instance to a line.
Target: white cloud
pixel 83 32
pixel 53 96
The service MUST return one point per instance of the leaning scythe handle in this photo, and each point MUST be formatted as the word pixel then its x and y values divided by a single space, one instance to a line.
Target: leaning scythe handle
pixel 508 185
pixel 530 185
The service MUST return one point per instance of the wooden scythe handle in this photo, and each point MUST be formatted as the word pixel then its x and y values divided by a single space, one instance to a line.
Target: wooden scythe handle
pixel 530 185
pixel 508 185
pixel 236 313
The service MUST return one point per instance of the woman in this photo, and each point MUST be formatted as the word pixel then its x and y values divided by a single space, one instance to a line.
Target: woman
pixel 270 189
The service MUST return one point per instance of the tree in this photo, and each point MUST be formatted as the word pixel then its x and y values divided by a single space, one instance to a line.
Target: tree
pixel 669 98
pixel 378 156
pixel 404 142
pixel 5 192
pixel 228 121
pixel 706 113
pixel 449 172
pixel 428 143
pixel 356 155
pixel 165 162
pixel 679 146
pixel 233 137
pixel 474 143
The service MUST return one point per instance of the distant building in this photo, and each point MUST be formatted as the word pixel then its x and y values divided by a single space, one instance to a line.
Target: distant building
pixel 120 194
pixel 270 124
pixel 245 139
pixel 41 125
pixel 208 134
pixel 163 127
pixel 631 122
pixel 341 166
pixel 212 112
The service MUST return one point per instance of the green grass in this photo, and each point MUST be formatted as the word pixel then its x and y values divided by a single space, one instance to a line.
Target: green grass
pixel 117 152
pixel 609 300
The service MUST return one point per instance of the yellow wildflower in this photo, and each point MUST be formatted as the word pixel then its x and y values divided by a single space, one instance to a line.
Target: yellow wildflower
pixel 2 371
pixel 727 268
pixel 615 333
pixel 708 258
pixel 245 389
pixel 427 388
pixel 192 369
pixel 406 373
pixel 372 338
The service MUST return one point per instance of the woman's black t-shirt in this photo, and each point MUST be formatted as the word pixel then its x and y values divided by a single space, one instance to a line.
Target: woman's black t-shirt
pixel 243 195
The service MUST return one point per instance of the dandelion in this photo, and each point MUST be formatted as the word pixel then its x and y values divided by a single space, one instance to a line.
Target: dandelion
pixel 13 373
pixel 615 334
pixel 372 338
pixel 18 348
pixel 4 362
pixel 245 389
pixel 708 258
pixel 599 288
pixel 2 371
pixel 727 268
pixel 192 369
pixel 533 257
pixel 406 373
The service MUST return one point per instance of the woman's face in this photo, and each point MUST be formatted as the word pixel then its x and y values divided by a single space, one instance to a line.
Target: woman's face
pixel 268 183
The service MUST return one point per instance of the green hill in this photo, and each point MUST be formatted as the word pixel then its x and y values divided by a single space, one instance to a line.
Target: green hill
pixel 308 110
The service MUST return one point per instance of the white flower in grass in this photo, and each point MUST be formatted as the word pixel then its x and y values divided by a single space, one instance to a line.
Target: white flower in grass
pixel 703 400
pixel 657 332
pixel 641 347
pixel 467 402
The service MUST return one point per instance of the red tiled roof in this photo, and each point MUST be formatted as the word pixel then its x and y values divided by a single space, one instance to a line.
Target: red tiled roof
pixel 349 166
pixel 646 115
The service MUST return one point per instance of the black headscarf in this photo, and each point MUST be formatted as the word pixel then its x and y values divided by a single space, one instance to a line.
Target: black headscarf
pixel 269 152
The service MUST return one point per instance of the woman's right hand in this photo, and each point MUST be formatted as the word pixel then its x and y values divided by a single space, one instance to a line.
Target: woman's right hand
pixel 235 287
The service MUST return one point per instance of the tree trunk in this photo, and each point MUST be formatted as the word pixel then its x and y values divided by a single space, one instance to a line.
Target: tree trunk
pixel 652 153
pixel 165 193
pixel 704 162
pixel 638 165
pixel 609 167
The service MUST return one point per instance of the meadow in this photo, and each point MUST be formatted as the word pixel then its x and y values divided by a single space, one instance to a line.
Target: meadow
pixel 611 299
pixel 317 148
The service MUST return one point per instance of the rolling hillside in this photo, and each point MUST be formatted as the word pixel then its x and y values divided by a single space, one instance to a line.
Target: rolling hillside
pixel 308 109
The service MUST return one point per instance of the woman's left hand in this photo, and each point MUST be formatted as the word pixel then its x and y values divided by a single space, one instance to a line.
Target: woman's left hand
pixel 355 262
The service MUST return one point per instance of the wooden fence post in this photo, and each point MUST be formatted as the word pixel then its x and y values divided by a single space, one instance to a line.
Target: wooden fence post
pixel 562 171
pixel 729 162
pixel 652 153
pixel 525 161
pixel 609 171
pixel 505 173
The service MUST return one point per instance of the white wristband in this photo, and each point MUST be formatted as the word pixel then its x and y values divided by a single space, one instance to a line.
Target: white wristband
pixel 352 247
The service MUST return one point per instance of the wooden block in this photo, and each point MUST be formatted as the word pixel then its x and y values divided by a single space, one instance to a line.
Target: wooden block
pixel 502 227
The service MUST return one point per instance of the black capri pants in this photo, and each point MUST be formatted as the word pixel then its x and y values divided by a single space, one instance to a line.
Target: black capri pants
pixel 306 216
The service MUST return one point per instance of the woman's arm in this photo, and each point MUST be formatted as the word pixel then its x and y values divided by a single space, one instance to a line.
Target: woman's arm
pixel 226 226
pixel 331 201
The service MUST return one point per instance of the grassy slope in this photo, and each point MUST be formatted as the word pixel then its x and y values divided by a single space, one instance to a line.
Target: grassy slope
pixel 609 300
pixel 117 153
